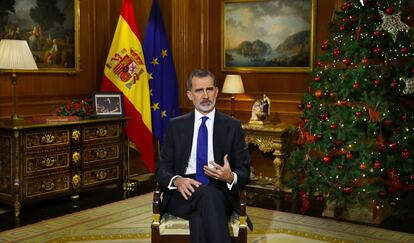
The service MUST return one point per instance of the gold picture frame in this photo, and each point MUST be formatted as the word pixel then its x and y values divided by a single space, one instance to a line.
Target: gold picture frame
pixel 268 35
pixel 51 31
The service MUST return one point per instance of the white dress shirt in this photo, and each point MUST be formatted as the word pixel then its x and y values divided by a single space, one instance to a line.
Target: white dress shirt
pixel 192 161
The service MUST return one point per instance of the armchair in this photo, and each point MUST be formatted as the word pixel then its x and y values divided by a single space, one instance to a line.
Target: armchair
pixel 170 228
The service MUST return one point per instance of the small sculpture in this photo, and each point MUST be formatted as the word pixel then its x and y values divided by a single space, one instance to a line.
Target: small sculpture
pixel 260 110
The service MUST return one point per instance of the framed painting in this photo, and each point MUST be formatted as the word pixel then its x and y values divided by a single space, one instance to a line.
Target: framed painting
pixel 267 35
pixel 51 29
pixel 108 104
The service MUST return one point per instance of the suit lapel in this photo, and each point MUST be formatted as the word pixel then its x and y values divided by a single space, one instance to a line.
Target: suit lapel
pixel 188 129
pixel 218 131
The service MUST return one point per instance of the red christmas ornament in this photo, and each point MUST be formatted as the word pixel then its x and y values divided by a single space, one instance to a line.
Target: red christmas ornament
pixel 404 50
pixel 377 33
pixel 393 145
pixel 358 114
pixel 405 154
pixel 305 120
pixel 364 60
pixel 318 93
pixel 305 202
pixel 377 50
pixel 377 82
pixel 332 95
pixel 324 116
pixel 356 85
pixel 317 78
pixel 342 28
pixel 333 126
pixel 390 10
pixel 340 166
pixel 336 52
pixel 346 61
pixel 347 190
pixel 319 136
pixel 343 102
pixel 363 166
pixel 320 63
pixel 300 106
pixel 377 165
pixel 404 117
pixel 349 155
pixel 309 105
pixel 412 177
pixel 324 45
pixel 387 122
pixel 394 84
pixel 326 159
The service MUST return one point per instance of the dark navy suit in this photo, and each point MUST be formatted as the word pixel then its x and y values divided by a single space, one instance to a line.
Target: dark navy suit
pixel 228 138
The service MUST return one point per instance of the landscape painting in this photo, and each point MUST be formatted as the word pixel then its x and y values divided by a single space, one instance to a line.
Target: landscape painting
pixel 50 29
pixel 268 35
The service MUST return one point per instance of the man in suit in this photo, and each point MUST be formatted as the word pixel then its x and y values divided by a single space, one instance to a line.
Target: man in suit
pixel 203 187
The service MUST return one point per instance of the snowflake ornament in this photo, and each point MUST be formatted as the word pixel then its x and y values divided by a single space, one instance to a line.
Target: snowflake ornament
pixel 393 24
pixel 409 85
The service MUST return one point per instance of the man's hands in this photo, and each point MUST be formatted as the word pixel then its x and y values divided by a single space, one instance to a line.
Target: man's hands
pixel 186 186
pixel 222 173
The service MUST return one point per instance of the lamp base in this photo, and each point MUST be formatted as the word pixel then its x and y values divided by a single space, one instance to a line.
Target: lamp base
pixel 16 117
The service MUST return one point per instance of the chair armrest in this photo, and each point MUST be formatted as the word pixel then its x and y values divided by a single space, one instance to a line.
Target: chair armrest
pixel 243 201
pixel 156 202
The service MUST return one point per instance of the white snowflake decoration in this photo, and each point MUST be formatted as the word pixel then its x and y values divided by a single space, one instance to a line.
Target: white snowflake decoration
pixel 409 85
pixel 393 24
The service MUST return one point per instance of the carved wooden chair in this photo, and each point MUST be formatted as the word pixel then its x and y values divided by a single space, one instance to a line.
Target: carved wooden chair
pixel 171 229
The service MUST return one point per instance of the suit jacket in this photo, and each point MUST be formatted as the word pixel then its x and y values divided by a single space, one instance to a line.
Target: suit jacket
pixel 228 138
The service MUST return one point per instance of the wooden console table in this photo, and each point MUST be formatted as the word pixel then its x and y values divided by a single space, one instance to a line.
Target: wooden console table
pixel 39 161
pixel 270 138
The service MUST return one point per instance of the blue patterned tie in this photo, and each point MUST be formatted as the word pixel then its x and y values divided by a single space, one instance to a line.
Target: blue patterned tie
pixel 202 148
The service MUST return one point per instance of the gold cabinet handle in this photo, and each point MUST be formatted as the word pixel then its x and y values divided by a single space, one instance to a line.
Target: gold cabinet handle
pixel 76 180
pixel 47 162
pixel 48 138
pixel 76 135
pixel 101 154
pixel 76 157
pixel 48 186
pixel 101 132
pixel 101 175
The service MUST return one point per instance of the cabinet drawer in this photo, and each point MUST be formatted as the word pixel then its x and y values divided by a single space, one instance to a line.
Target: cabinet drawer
pixel 100 175
pixel 101 153
pixel 46 139
pixel 101 132
pixel 46 185
pixel 35 163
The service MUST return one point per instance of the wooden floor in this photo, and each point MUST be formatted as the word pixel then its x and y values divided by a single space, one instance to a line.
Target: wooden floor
pixel 36 212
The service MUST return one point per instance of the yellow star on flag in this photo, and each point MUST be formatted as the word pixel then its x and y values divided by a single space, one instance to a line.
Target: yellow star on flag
pixel 164 113
pixel 154 61
pixel 150 92
pixel 155 106
pixel 150 76
pixel 164 53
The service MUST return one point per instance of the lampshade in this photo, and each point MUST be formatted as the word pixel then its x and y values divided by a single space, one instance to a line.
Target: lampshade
pixel 233 84
pixel 16 55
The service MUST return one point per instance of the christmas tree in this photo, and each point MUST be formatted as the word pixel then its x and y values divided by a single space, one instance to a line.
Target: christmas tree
pixel 356 141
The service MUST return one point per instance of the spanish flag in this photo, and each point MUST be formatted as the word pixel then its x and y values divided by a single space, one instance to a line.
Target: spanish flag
pixel 125 72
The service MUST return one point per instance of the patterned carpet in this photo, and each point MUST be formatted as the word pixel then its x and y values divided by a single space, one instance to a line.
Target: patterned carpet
pixel 129 221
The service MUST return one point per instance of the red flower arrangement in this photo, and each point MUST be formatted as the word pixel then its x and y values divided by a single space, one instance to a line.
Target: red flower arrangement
pixel 76 107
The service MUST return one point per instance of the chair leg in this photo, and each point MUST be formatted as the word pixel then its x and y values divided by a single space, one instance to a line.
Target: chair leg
pixel 155 234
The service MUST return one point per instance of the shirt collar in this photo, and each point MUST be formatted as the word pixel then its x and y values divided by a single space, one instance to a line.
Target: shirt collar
pixel 210 115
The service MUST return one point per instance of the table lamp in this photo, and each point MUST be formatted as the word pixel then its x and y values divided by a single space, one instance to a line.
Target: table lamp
pixel 15 55
pixel 233 84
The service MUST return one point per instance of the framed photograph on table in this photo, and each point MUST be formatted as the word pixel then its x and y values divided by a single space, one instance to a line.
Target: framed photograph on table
pixel 108 104
pixel 51 29
pixel 268 35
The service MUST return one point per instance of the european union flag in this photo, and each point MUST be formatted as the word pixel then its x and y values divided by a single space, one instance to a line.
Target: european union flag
pixel 160 66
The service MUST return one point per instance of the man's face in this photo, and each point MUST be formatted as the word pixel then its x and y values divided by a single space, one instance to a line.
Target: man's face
pixel 203 94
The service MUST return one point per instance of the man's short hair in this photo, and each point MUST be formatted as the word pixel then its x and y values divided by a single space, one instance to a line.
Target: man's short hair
pixel 200 73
